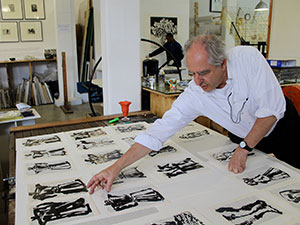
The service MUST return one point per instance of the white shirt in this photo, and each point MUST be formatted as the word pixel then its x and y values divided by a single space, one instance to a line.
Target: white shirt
pixel 251 82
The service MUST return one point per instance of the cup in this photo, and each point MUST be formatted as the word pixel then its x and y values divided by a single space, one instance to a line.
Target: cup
pixel 173 83
pixel 151 81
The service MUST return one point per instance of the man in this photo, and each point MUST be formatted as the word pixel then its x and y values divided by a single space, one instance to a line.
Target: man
pixel 173 47
pixel 239 92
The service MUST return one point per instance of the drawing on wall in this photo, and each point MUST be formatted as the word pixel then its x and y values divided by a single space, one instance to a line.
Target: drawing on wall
pixel 133 199
pixel 87 134
pixel 31 31
pixel 9 32
pixel 103 158
pixel 165 149
pixel 53 211
pixel 178 168
pixel 129 140
pixel 183 218
pixel 33 154
pixel 270 175
pixel 248 213
pixel 130 128
pixel 160 26
pixel 193 135
pixel 292 195
pixel 38 141
pixel 129 173
pixel 11 9
pixel 226 156
pixel 89 144
pixel 42 192
pixel 37 168
pixel 34 9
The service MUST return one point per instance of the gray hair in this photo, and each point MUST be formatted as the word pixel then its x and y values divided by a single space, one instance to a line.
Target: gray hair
pixel 214 46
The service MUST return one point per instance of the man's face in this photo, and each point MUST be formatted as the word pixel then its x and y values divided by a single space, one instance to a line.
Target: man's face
pixel 207 76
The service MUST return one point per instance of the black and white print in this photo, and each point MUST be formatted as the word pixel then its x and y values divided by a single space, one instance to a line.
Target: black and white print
pixel 129 173
pixel 165 149
pixel 48 167
pixel 194 135
pixel 87 134
pixel 183 218
pixel 130 128
pixel 94 143
pixel 103 158
pixel 45 153
pixel 41 140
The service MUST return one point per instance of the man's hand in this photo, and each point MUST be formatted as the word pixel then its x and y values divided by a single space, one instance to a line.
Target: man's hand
pixel 103 179
pixel 237 163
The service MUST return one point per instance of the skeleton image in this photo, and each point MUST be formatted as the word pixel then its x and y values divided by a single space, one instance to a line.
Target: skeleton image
pixel 167 148
pixel 130 200
pixel 43 192
pixel 86 145
pixel 226 156
pixel 134 127
pixel 247 214
pixel 129 173
pixel 51 211
pixel 87 134
pixel 193 135
pixel 129 140
pixel 39 141
pixel 184 218
pixel 94 159
pixel 292 195
pixel 175 169
pixel 46 153
pixel 270 175
pixel 42 167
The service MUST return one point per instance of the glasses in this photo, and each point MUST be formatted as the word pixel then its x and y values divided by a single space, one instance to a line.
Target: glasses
pixel 239 114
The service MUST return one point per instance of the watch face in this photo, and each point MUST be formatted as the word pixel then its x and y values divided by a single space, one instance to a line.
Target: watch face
pixel 242 144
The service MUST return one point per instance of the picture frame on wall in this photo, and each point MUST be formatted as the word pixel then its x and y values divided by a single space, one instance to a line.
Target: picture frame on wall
pixel 215 6
pixel 34 9
pixel 9 32
pixel 11 9
pixel 31 31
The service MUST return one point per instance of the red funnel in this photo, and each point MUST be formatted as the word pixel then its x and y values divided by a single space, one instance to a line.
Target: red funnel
pixel 125 107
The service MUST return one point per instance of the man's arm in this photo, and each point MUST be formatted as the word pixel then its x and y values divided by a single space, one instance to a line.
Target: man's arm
pixel 105 178
pixel 260 128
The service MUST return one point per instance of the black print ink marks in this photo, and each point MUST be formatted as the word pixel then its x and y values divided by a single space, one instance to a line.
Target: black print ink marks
pixel 292 195
pixel 130 128
pixel 167 148
pixel 51 211
pixel 129 140
pixel 193 135
pixel 175 169
pixel 42 167
pixel 129 173
pixel 39 141
pixel 87 134
pixel 43 192
pixel 247 214
pixel 86 145
pixel 102 158
pixel 46 153
pixel 184 218
pixel 270 175
pixel 226 156
pixel 130 200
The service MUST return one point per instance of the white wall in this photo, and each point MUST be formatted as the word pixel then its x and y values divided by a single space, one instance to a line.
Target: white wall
pixel 285 32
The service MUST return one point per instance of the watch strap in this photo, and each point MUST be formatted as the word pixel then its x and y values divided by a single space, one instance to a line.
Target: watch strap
pixel 246 147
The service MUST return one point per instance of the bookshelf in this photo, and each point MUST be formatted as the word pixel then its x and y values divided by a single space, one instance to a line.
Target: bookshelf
pixel 9 65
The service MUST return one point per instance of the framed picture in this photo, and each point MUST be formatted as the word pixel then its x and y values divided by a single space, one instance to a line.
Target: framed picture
pixel 31 31
pixel 11 9
pixel 9 32
pixel 34 9
pixel 215 6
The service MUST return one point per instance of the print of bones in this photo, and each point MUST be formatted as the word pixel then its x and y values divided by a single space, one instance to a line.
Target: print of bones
pixel 193 135
pixel 39 141
pixel 130 200
pixel 129 173
pixel 184 218
pixel 43 192
pixel 247 214
pixel 271 174
pixel 42 153
pixel 102 158
pixel 130 128
pixel 41 167
pixel 226 156
pixel 167 148
pixel 86 134
pixel 175 169
pixel 86 145
pixel 51 211
pixel 292 195
pixel 129 140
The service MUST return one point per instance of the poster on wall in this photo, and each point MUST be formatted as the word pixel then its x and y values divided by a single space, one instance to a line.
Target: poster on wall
pixel 34 9
pixel 11 9
pixel 160 26
pixel 9 32
pixel 215 6
pixel 31 31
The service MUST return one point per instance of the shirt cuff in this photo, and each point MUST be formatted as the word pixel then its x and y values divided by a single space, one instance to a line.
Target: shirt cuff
pixel 264 112
pixel 148 141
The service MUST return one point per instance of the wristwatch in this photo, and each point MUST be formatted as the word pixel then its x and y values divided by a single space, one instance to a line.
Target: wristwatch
pixel 244 145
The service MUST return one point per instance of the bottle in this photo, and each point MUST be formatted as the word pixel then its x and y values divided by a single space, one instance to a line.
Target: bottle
pixel 161 78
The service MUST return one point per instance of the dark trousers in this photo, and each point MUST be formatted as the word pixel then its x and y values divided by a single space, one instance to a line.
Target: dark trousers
pixel 284 140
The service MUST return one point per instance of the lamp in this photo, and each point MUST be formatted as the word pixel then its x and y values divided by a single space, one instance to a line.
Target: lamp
pixel 261 6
